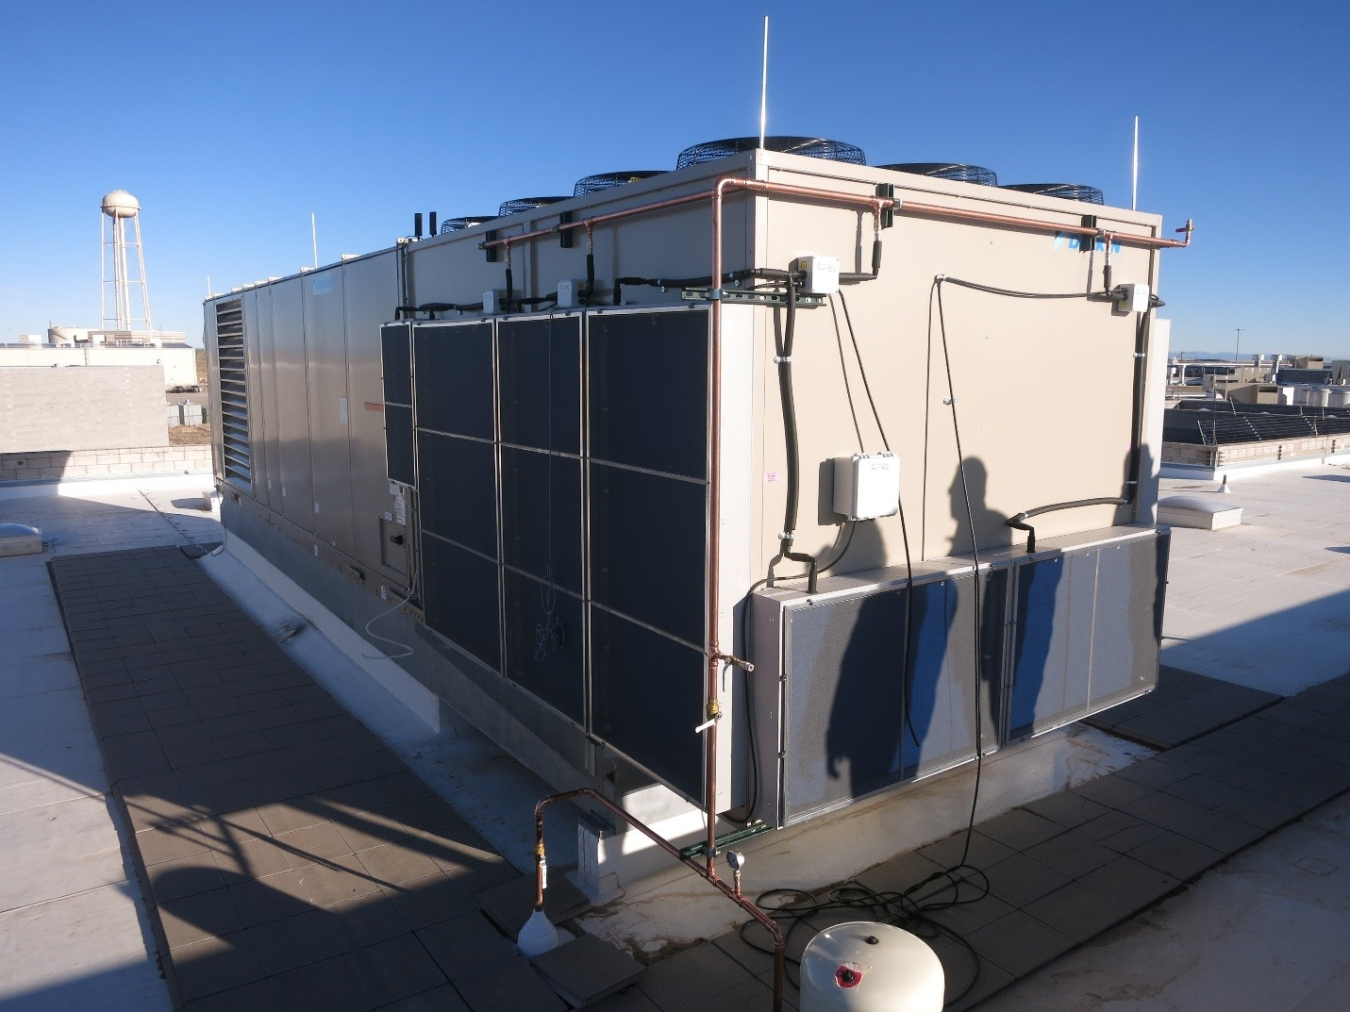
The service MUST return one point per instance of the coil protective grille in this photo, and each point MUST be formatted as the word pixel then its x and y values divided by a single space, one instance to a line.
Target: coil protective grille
pixel 236 458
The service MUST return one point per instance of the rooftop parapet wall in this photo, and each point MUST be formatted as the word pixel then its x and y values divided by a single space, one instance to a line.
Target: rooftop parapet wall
pixel 81 409
pixel 136 462
pixel 179 364
pixel 1264 452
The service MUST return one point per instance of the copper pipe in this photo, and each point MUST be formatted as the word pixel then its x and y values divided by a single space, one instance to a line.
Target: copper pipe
pixel 1160 243
pixel 962 214
pixel 876 203
pixel 589 223
pixel 715 654
pixel 769 924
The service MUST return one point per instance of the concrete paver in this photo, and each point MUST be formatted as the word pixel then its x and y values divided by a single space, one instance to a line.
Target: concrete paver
pixel 73 930
pixel 272 828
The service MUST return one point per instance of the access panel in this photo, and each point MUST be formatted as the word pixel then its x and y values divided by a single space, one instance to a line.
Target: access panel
pixel 857 717
pixel 1085 633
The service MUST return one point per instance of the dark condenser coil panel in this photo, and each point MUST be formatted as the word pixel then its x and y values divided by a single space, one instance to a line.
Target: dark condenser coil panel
pixel 398 443
pixel 460 591
pixel 540 375
pixel 647 548
pixel 647 697
pixel 561 475
pixel 452 374
pixel 542 516
pixel 649 391
pixel 546 643
pixel 457 486
pixel 648 510
pixel 396 369
pixel 839 715
pixel 396 362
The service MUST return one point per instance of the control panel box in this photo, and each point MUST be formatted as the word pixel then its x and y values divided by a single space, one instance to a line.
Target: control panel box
pixel 867 485
pixel 821 274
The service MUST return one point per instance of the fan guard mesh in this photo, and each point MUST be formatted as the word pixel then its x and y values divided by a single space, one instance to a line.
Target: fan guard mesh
pixel 609 180
pixel 948 170
pixel 1068 191
pixel 812 147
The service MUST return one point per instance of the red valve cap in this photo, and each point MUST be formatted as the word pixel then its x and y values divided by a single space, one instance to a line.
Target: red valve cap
pixel 848 975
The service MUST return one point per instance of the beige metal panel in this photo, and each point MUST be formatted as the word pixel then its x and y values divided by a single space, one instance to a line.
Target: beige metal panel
pixel 370 291
pixel 292 390
pixel 735 531
pixel 673 243
pixel 329 406
pixel 1021 368
pixel 1159 342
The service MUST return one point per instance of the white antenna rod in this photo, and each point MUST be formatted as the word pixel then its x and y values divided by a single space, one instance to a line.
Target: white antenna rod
pixel 314 235
pixel 208 286
pixel 764 85
pixel 1134 191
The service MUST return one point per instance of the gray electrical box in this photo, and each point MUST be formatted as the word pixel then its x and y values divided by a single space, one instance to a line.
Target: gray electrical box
pixel 867 485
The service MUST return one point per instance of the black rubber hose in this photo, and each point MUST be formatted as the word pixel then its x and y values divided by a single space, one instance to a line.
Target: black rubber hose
pixel 762 273
pixel 853 279
pixel 590 279
pixel 790 439
pixel 1019 522
pixel 789 415
pixel 1133 478
pixel 510 291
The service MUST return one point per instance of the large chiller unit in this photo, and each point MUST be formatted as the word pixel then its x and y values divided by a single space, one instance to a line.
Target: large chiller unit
pixel 633 459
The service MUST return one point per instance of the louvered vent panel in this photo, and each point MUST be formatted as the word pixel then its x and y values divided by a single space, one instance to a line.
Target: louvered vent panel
pixel 233 394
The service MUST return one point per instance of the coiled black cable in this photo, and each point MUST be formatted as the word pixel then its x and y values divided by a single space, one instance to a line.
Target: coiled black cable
pixel 910 909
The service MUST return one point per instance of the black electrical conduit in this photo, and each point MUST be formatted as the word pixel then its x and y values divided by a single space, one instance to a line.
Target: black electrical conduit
pixel 1020 520
pixel 757 273
pixel 1135 461
pixel 790 435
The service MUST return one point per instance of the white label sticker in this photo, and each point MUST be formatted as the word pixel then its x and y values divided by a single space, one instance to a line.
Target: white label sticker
pixel 770 477
pixel 342 410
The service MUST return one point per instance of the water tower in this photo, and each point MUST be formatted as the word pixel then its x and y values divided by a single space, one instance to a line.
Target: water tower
pixel 119 209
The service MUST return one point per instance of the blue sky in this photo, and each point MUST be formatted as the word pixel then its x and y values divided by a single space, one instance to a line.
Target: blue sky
pixel 233 122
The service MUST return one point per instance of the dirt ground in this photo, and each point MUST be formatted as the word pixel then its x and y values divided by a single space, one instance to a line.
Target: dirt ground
pixel 189 435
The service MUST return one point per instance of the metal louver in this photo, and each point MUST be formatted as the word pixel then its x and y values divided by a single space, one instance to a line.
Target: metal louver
pixel 236 460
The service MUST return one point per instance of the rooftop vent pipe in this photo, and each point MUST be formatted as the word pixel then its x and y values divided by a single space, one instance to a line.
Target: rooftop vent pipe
pixel 947 170
pixel 609 180
pixel 526 204
pixel 1066 191
pixel 811 147
pixel 469 221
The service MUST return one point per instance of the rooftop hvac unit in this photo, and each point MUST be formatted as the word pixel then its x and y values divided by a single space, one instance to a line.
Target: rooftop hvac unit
pixel 948 170
pixel 469 221
pixel 811 147
pixel 1066 191
pixel 526 204
pixel 609 180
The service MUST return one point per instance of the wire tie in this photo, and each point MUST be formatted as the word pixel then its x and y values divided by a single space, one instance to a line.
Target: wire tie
pixel 782 359
pixel 950 401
